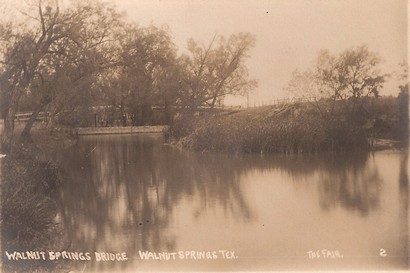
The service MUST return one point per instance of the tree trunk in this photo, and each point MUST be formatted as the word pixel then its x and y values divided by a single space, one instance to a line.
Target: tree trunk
pixel 213 102
pixel 404 115
pixel 26 131
pixel 168 117
pixel 123 116
pixel 7 137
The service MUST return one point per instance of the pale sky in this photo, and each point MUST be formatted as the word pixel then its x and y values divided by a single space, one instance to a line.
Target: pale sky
pixel 289 33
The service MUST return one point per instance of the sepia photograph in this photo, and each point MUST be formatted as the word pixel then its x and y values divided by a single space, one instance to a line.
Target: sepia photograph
pixel 204 136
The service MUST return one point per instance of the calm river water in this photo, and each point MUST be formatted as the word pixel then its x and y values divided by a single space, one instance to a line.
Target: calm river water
pixel 133 194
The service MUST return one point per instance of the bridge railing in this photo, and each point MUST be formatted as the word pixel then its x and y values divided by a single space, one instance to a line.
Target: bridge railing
pixel 25 116
pixel 278 101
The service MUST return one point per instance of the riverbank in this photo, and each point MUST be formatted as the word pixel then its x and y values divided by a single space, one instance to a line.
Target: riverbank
pixel 292 128
pixel 29 212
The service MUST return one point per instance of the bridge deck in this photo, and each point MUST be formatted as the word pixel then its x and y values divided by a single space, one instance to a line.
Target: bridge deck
pixel 122 130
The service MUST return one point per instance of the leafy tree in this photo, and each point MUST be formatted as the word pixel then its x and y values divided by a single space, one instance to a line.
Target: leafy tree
pixel 142 53
pixel 349 78
pixel 167 88
pixel 216 70
pixel 341 85
pixel 33 61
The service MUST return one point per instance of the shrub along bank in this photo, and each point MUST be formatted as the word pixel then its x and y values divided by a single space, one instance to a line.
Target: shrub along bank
pixel 290 128
pixel 29 182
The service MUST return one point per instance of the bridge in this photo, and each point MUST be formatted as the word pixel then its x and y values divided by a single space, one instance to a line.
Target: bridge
pixel 25 116
pixel 122 130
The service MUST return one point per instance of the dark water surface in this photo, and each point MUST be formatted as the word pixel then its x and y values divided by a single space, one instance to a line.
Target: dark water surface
pixel 132 193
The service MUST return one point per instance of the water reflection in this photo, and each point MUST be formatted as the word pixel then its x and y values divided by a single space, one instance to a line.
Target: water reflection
pixel 130 193
pixel 351 181
pixel 131 186
pixel 352 184
pixel 404 209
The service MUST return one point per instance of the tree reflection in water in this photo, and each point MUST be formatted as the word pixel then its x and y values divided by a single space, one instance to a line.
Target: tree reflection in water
pixel 123 191
pixel 404 206
pixel 352 182
pixel 130 186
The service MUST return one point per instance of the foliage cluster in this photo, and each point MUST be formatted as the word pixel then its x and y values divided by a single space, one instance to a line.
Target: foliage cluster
pixel 63 59
pixel 346 79
pixel 28 210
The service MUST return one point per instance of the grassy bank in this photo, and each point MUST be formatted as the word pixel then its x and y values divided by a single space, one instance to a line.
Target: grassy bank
pixel 290 128
pixel 29 212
